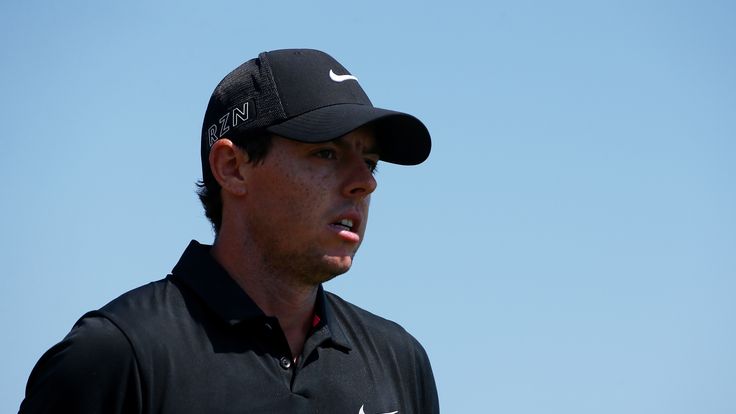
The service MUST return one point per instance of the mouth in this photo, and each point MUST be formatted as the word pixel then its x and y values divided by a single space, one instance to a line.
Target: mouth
pixel 346 224
pixel 348 227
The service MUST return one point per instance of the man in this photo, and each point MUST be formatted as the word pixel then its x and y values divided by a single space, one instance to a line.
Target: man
pixel 289 145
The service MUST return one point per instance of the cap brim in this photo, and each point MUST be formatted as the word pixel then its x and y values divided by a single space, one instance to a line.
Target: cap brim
pixel 402 138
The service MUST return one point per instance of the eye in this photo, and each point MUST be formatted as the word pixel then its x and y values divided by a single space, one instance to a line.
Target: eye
pixel 327 154
pixel 372 165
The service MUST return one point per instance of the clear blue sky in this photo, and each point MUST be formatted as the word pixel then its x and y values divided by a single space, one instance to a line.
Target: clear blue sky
pixel 569 247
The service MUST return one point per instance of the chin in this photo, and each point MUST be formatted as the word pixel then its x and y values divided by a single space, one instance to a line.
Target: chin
pixel 335 266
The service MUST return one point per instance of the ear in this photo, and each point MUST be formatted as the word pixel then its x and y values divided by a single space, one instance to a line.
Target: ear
pixel 227 162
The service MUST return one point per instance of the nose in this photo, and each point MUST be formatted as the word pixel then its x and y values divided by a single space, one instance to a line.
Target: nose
pixel 360 181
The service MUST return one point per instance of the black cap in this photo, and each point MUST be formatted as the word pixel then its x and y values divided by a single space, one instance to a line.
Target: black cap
pixel 306 95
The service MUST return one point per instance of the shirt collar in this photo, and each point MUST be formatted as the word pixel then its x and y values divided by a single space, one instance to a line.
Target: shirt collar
pixel 200 272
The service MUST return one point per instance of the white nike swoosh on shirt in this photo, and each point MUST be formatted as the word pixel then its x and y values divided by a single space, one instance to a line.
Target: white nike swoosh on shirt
pixel 341 78
pixel 363 412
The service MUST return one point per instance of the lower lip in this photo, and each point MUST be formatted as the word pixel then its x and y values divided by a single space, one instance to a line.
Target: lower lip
pixel 345 234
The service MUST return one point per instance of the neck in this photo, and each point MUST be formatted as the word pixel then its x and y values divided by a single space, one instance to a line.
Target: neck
pixel 278 294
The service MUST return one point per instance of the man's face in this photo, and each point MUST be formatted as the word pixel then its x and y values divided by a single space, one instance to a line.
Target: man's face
pixel 306 205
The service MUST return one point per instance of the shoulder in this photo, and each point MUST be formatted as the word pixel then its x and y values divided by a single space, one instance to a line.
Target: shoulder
pixel 145 309
pixel 92 337
pixel 386 344
pixel 93 368
pixel 146 299
pixel 99 365
pixel 360 324
pixel 353 313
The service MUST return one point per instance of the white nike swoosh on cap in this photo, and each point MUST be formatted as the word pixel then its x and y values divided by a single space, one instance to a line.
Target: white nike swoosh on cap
pixel 341 78
pixel 363 412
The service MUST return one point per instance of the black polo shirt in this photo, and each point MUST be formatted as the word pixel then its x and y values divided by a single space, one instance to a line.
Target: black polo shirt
pixel 195 342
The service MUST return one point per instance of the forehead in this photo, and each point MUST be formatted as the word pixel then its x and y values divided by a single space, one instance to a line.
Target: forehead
pixel 362 140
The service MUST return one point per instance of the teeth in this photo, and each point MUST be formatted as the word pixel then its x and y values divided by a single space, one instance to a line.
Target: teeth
pixel 347 223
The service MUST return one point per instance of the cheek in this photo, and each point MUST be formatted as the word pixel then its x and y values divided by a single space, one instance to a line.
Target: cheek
pixel 304 192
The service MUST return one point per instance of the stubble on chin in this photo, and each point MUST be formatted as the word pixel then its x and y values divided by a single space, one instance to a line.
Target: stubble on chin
pixel 307 271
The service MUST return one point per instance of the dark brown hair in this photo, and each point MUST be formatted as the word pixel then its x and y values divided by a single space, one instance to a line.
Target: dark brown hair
pixel 256 144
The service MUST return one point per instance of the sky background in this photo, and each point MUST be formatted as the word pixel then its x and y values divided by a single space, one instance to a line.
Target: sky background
pixel 569 246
